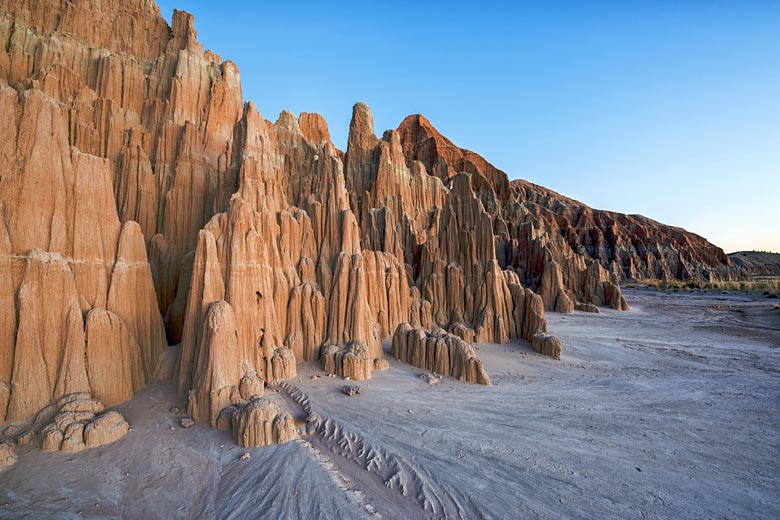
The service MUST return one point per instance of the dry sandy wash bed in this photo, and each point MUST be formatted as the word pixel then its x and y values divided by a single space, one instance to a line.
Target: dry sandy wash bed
pixel 668 411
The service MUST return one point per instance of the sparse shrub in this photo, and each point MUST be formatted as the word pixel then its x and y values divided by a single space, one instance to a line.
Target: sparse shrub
pixel 768 286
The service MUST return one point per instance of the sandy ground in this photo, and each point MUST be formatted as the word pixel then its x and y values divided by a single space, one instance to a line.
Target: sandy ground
pixel 671 410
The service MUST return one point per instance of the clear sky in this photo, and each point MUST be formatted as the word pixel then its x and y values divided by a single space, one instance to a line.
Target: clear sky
pixel 670 109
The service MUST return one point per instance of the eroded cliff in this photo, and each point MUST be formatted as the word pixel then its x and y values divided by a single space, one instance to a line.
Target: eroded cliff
pixel 143 203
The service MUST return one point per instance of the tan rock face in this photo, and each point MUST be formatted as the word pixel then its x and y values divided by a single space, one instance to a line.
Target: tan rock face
pixel 439 352
pixel 553 291
pixel 219 366
pixel 113 358
pixel 526 240
pixel 64 250
pixel 142 203
pixel 105 429
pixel 547 345
pixel 7 454
pixel 73 423
pixel 261 423
pixel 351 361
pixel 139 185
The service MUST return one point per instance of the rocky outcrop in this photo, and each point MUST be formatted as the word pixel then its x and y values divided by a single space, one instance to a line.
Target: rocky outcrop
pixel 142 203
pixel 77 431
pixel 439 352
pixel 261 422
pixel 350 361
pixel 136 184
pixel 534 226
pixel 757 263
pixel 109 117
pixel 553 291
pixel 167 362
pixel 64 250
pixel 73 423
pixel 7 454
pixel 547 345
pixel 105 429
pixel 113 358
pixel 223 375
pixel 630 246
pixel 218 365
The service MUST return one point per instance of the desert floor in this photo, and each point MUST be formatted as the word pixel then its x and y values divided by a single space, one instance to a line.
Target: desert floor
pixel 671 410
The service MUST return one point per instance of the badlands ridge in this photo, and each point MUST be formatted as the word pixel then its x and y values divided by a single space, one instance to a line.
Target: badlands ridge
pixel 154 225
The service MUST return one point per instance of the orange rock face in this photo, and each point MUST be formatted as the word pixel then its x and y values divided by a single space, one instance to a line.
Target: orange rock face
pixel 96 124
pixel 143 203
pixel 526 242
pixel 439 352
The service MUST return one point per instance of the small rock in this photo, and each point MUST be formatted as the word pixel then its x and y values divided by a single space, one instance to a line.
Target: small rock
pixel 186 422
pixel 351 390
pixel 245 456
pixel 11 430
pixel 315 377
pixel 639 469
pixel 26 438
pixel 7 454
pixel 105 429
pixel 346 378
pixel 431 379
pixel 175 410
pixel 172 428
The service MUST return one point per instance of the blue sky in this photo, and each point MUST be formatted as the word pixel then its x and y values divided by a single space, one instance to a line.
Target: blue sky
pixel 670 109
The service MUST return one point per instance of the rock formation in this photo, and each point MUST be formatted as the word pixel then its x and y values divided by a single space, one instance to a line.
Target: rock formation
pixel 547 345
pixel 7 454
pixel 757 263
pixel 439 352
pixel 73 431
pixel 524 242
pixel 73 423
pixel 351 390
pixel 143 202
pixel 350 361
pixel 630 246
pixel 261 422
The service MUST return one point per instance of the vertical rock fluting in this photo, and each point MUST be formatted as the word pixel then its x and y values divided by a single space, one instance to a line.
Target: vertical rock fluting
pixel 223 375
pixel 440 352
pixel 296 278
pixel 108 116
pixel 65 253
pixel 260 423
pixel 351 361
pixel 526 241
pixel 141 200
pixel 143 96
